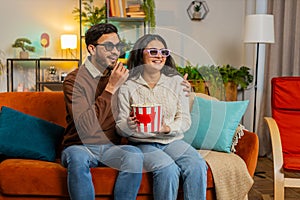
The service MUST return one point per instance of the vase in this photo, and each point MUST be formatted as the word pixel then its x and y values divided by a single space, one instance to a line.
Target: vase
pixel 230 91
pixel 196 15
pixel 199 86
pixel 24 54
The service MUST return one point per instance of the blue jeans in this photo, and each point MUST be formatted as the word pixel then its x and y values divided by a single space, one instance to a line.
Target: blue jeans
pixel 170 161
pixel 80 158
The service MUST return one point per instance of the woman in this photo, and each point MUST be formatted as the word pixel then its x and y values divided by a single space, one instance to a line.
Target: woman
pixel 153 79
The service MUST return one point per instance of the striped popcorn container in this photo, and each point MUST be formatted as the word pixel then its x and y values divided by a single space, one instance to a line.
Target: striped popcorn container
pixel 148 116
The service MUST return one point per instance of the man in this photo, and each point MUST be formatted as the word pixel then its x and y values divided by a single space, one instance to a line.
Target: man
pixel 90 136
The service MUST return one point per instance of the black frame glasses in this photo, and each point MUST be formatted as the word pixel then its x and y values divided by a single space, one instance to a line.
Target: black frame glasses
pixel 109 46
pixel 154 52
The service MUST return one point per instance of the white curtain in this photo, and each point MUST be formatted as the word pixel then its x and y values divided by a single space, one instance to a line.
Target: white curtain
pixel 282 59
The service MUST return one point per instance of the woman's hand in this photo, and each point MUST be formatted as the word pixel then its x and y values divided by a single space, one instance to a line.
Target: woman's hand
pixel 187 86
pixel 132 123
pixel 164 128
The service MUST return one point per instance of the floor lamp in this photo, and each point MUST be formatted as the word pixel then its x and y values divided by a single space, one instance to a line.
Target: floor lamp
pixel 259 28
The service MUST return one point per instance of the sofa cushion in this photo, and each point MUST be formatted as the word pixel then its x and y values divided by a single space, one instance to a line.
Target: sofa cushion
pixel 291 162
pixel 239 132
pixel 214 123
pixel 39 178
pixel 32 177
pixel 26 136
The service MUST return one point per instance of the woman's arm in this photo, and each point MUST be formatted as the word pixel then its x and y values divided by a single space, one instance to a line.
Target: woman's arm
pixel 182 119
pixel 124 122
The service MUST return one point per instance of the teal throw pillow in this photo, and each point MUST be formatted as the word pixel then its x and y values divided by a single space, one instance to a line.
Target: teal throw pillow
pixel 214 123
pixel 25 136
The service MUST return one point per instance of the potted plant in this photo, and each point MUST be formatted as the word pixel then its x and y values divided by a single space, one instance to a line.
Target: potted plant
pixel 235 79
pixel 194 77
pixel 196 13
pixel 90 14
pixel 240 76
pixel 24 44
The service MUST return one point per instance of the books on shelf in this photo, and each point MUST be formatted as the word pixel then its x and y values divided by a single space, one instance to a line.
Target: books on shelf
pixel 116 8
pixel 135 10
pixel 112 10
pixel 126 8
pixel 136 14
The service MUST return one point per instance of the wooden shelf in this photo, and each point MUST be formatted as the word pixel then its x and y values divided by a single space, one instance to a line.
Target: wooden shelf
pixel 126 19
pixel 38 67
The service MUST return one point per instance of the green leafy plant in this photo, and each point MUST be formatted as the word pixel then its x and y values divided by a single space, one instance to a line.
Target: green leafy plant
pixel 213 73
pixel 149 9
pixel 197 7
pixel 24 44
pixel 192 71
pixel 217 79
pixel 90 14
pixel 194 77
pixel 240 76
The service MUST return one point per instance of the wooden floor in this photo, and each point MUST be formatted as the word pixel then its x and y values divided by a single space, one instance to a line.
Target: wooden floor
pixel 263 183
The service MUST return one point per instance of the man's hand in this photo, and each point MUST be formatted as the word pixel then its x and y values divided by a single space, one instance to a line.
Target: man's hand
pixel 118 76
pixel 187 86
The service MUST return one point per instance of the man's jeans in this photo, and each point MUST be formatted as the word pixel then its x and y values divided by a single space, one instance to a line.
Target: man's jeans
pixel 80 158
pixel 168 162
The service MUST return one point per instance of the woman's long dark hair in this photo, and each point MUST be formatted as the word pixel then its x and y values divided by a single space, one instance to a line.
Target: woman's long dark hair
pixel 135 61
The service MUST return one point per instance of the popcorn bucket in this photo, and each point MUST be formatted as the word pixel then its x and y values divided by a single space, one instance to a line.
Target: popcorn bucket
pixel 148 116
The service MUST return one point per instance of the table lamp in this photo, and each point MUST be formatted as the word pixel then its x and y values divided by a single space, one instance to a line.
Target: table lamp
pixel 68 43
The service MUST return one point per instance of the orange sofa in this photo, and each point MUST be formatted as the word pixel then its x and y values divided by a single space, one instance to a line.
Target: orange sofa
pixel 35 179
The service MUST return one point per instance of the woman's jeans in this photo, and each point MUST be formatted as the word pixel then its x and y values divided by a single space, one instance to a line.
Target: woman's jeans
pixel 170 161
pixel 80 158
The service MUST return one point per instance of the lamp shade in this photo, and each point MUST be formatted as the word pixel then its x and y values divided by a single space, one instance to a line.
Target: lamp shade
pixel 68 41
pixel 259 28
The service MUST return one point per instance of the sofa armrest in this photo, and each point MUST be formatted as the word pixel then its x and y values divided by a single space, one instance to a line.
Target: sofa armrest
pixel 247 149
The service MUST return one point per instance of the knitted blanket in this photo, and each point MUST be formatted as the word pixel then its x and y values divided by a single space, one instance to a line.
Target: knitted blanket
pixel 231 177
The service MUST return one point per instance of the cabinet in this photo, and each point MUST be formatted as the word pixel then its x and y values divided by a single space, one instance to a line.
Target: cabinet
pixel 37 74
